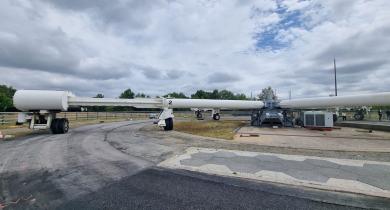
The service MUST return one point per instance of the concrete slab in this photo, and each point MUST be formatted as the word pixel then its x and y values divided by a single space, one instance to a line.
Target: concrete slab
pixel 344 139
pixel 355 176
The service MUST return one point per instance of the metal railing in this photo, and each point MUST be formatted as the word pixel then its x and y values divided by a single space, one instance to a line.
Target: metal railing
pixel 10 118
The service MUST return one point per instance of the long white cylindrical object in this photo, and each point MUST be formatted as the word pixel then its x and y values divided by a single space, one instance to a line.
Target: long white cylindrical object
pixel 218 104
pixel 31 100
pixel 137 102
pixel 335 101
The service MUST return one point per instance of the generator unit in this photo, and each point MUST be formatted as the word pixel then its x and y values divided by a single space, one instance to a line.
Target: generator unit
pixel 318 119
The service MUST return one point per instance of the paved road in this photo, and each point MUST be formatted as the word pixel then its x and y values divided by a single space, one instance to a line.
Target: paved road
pixel 113 166
pixel 356 176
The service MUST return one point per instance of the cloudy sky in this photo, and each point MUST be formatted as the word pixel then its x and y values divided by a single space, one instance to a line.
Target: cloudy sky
pixel 159 46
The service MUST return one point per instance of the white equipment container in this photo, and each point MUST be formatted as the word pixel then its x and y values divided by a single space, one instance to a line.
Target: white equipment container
pixel 318 119
pixel 28 100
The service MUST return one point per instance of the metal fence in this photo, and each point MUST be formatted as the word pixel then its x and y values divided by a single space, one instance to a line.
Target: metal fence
pixel 10 118
pixel 7 118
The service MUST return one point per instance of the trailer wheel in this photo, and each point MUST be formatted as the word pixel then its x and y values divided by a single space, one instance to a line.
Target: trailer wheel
pixel 63 125
pixel 168 124
pixel 358 116
pixel 216 116
pixel 199 115
pixel 59 126
pixel 54 126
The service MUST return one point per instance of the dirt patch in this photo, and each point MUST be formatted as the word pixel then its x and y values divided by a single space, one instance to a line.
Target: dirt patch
pixel 216 129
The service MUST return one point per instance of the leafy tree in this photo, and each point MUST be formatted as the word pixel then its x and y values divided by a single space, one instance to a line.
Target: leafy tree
pixel 7 90
pixel 267 94
pixel 127 94
pixel 175 95
pixel 141 95
pixel 227 95
pixel 6 95
pixel 5 102
pixel 98 108
pixel 240 96
pixel 99 95
pixel 215 94
pixel 200 94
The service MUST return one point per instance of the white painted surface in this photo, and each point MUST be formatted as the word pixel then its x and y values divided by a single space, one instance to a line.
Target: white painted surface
pixel 136 102
pixel 27 100
pixel 335 101
pixel 209 103
pixel 334 184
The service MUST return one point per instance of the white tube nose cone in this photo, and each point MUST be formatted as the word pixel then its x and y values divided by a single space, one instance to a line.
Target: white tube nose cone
pixel 31 100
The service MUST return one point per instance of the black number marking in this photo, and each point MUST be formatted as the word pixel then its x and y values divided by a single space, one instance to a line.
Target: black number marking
pixel 170 102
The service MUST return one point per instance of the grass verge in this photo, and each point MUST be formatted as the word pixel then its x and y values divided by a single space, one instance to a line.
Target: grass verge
pixel 216 129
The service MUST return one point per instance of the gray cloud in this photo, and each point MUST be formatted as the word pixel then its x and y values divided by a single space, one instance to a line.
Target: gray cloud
pixel 361 45
pixel 110 45
pixel 158 74
pixel 113 13
pixel 49 51
pixel 220 77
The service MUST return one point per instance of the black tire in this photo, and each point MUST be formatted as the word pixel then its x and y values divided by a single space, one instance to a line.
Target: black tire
pixel 359 116
pixel 299 122
pixel 63 125
pixel 216 116
pixel 168 124
pixel 54 126
pixel 199 115
pixel 59 126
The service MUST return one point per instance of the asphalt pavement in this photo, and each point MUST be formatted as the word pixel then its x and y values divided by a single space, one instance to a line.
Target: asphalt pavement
pixel 113 166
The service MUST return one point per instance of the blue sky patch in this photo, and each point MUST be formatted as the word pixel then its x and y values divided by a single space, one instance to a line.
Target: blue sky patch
pixel 268 39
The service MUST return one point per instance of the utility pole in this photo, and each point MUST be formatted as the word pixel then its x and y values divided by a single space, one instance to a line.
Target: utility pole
pixel 335 77
pixel 289 95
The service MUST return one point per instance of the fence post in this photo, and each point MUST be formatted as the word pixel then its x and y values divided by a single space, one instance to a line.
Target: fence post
pixel 2 119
